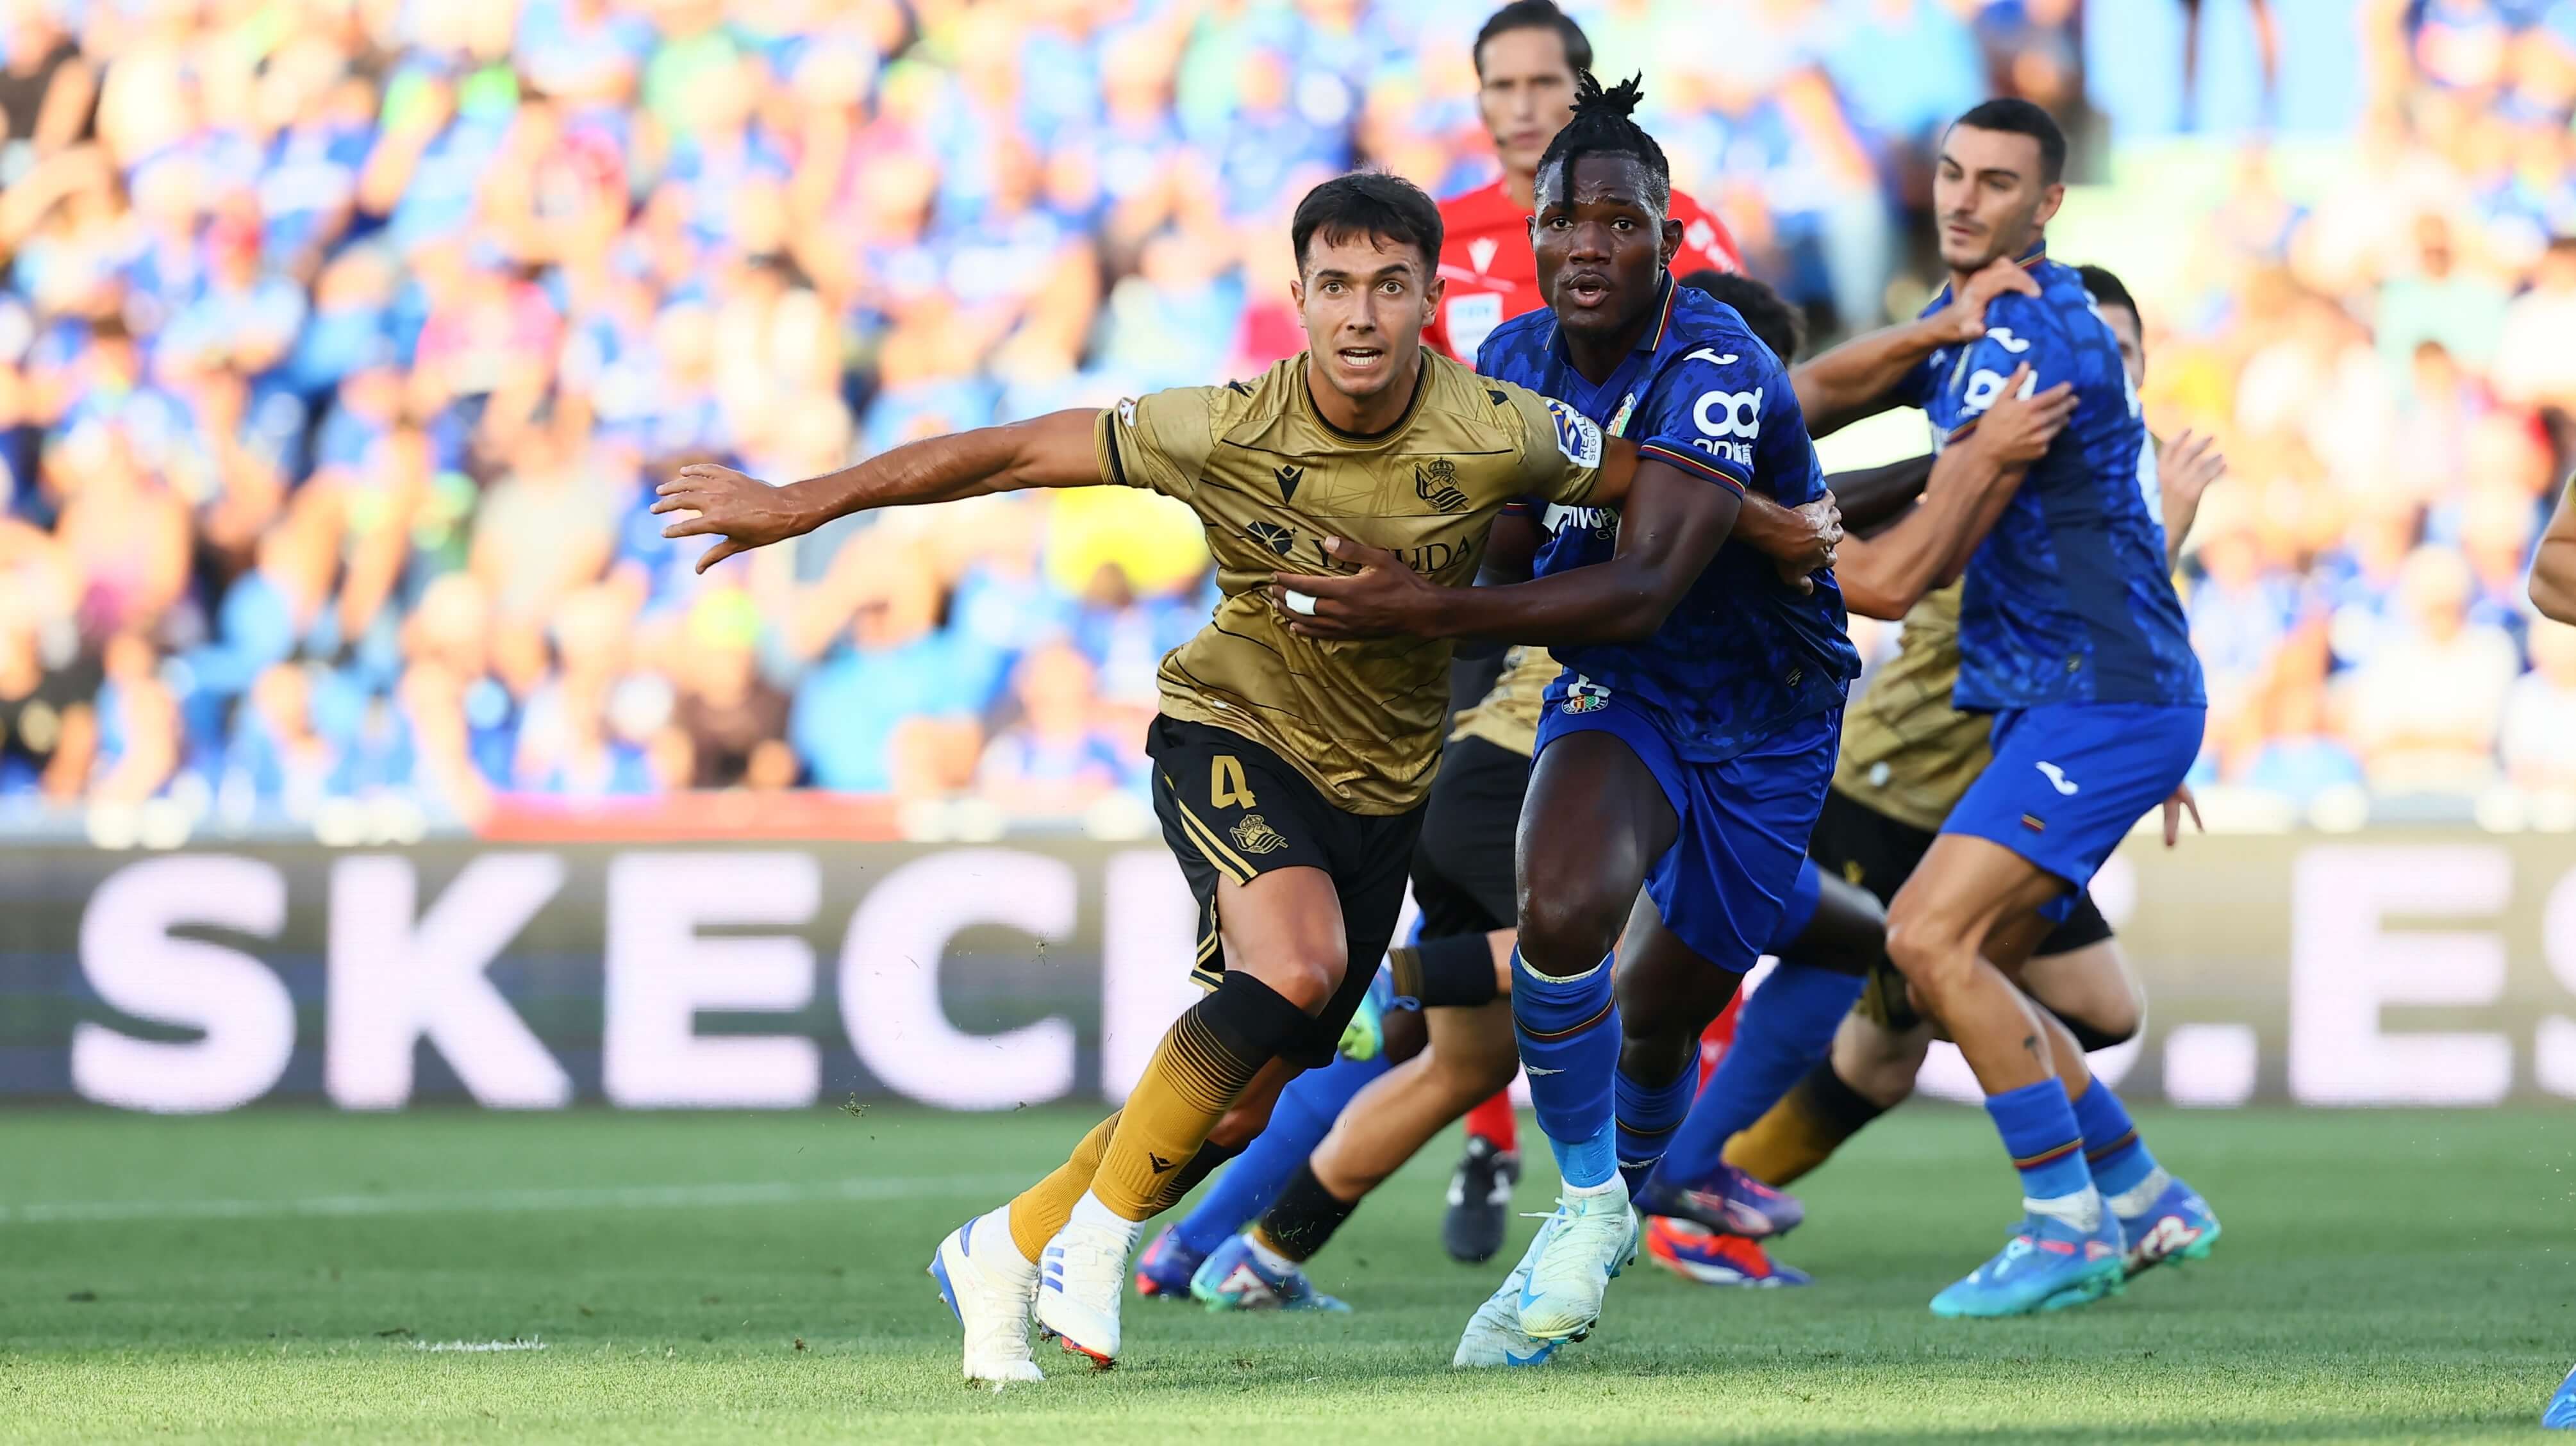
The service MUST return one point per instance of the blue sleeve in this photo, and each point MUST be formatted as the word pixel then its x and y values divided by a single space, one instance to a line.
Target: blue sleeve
pixel 1706 414
pixel 1918 385
pixel 2020 331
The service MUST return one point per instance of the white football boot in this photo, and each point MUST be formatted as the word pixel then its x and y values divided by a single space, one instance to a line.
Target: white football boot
pixel 1590 1238
pixel 1082 1276
pixel 1494 1334
pixel 990 1289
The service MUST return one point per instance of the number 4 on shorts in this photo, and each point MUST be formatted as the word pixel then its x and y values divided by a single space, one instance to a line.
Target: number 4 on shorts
pixel 1226 787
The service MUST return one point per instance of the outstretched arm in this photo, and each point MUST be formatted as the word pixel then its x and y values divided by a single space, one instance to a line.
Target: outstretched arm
pixel 2553 572
pixel 1859 378
pixel 1884 576
pixel 1050 451
pixel 1670 527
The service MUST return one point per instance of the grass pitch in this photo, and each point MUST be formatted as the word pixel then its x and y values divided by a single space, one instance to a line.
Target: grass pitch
pixel 292 1275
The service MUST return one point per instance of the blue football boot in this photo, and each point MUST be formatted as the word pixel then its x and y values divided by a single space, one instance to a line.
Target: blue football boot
pixel 1164 1271
pixel 1728 1201
pixel 2047 1265
pixel 2561 1415
pixel 2180 1226
pixel 1233 1278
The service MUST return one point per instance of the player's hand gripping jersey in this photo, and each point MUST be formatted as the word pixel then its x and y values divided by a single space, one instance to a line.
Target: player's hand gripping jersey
pixel 1272 479
pixel 2068 600
pixel 1743 655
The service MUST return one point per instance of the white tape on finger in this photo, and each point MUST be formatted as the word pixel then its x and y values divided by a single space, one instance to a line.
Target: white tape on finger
pixel 1301 603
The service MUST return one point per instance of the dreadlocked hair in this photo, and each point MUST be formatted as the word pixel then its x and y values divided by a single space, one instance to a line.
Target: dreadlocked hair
pixel 1601 126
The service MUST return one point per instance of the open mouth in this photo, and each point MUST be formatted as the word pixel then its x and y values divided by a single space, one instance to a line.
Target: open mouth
pixel 1585 288
pixel 1362 358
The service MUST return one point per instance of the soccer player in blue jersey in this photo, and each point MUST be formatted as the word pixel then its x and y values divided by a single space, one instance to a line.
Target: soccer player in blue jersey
pixel 2072 638
pixel 1686 748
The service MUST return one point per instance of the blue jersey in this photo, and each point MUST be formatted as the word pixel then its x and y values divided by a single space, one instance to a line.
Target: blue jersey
pixel 2068 600
pixel 1743 656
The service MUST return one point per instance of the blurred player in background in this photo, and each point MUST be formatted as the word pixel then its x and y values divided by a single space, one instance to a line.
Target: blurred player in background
pixel 1527 56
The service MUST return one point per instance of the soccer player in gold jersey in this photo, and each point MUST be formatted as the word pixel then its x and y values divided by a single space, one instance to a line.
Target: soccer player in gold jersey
pixel 1289 772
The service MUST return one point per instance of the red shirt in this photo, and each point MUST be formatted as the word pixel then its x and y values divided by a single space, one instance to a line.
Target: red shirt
pixel 1492 276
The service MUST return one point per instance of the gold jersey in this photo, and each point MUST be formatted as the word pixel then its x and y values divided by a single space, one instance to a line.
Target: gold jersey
pixel 1906 752
pixel 1271 479
pixel 1507 716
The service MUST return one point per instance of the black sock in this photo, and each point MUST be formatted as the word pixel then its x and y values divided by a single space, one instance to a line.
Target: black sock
pixel 1304 1216
pixel 2088 1038
pixel 1199 1167
pixel 1454 973
pixel 1837 1103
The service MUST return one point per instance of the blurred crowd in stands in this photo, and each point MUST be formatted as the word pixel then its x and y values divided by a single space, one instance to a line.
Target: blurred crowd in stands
pixel 342 341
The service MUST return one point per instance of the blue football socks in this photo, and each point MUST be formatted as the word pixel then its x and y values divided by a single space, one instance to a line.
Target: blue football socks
pixel 1787 1025
pixel 1569 1041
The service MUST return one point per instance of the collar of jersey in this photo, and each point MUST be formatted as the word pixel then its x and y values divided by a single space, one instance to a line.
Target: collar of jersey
pixel 2028 261
pixel 1646 347
pixel 1421 389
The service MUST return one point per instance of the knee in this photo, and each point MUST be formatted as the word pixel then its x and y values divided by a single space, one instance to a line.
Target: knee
pixel 1657 1054
pixel 1568 926
pixel 1932 951
pixel 2113 1019
pixel 1307 977
pixel 1878 1066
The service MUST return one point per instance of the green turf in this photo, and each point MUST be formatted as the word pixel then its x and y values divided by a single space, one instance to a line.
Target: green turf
pixel 273 1276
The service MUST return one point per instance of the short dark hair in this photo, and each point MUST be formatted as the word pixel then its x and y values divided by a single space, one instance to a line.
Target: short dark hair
pixel 1767 314
pixel 2021 118
pixel 1601 126
pixel 1536 15
pixel 1372 204
pixel 2107 290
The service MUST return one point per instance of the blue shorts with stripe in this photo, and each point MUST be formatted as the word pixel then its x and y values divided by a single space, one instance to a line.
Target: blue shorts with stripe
pixel 2069 780
pixel 1733 877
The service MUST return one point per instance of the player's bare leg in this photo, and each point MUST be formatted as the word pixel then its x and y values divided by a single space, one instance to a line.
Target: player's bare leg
pixel 1937 927
pixel 1872 1066
pixel 1470 1057
pixel 1284 947
pixel 2092 989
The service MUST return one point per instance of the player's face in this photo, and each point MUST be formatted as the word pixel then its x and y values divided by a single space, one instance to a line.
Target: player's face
pixel 1365 301
pixel 1601 247
pixel 1988 196
pixel 1525 94
pixel 2133 342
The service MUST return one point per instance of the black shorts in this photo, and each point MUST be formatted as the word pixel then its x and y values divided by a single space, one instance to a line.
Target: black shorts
pixel 1462 869
pixel 1879 853
pixel 1232 809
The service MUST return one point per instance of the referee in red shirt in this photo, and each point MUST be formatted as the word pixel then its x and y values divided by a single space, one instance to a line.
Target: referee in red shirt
pixel 1526 59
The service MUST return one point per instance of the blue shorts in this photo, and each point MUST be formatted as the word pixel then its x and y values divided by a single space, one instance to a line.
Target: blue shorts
pixel 2070 780
pixel 1740 844
pixel 1798 910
